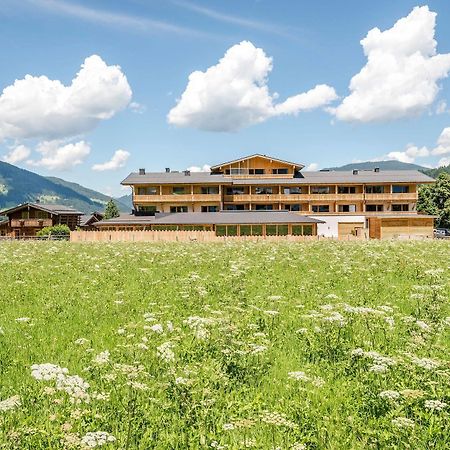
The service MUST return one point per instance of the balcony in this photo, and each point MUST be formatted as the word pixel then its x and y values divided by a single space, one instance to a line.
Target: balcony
pixel 175 198
pixel 286 198
pixel 411 196
pixel 32 223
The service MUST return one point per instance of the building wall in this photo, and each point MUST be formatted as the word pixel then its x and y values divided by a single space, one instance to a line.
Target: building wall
pixel 331 226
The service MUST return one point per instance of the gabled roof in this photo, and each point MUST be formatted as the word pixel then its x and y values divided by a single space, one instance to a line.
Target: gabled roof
pixel 90 219
pixel 50 208
pixel 258 155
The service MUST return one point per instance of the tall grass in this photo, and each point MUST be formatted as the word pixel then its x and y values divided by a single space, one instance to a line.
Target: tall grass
pixel 319 345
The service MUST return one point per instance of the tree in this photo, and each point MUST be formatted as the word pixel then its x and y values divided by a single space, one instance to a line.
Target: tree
pixel 111 210
pixel 55 230
pixel 435 199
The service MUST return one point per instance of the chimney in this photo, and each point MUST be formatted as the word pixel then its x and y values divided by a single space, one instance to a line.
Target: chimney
pixel 141 171
pixel 376 169
pixel 355 171
pixel 187 173
pixel 167 169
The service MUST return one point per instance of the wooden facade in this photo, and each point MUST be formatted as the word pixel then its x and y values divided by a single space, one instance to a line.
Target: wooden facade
pixel 27 219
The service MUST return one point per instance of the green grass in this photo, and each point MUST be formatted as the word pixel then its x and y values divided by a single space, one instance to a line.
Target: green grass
pixel 236 321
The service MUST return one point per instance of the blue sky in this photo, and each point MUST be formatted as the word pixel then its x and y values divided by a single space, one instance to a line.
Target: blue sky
pixel 158 44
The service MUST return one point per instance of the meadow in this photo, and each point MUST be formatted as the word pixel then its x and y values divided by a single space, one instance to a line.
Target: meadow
pixel 315 345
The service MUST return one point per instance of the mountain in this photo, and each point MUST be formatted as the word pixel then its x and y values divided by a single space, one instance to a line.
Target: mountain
pixel 126 200
pixel 95 196
pixel 383 165
pixel 434 173
pixel 21 186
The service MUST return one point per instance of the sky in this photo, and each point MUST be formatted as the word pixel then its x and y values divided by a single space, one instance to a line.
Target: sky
pixel 95 89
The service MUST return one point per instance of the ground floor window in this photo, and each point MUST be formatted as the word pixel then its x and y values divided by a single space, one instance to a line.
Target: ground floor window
pixel 293 207
pixel 302 230
pixel 235 207
pixel 178 209
pixel 147 208
pixel 263 207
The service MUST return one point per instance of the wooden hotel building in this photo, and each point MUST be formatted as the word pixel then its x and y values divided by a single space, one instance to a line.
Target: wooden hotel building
pixel 376 203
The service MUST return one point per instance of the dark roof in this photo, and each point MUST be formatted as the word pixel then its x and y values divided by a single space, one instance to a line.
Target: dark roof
pixel 53 209
pixel 211 218
pixel 259 155
pixel 329 177
pixel 90 219
pixel 176 178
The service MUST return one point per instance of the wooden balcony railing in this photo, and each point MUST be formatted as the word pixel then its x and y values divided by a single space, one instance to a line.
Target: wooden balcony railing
pixel 37 223
pixel 412 196
pixel 255 198
pixel 174 198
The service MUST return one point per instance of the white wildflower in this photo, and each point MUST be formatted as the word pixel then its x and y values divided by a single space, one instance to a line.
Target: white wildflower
pixel 165 352
pixel 425 363
pixel 157 328
pixel 81 341
pixel 435 405
pixel 390 395
pixel 23 319
pixel 402 422
pixel 47 371
pixel 94 439
pixel 102 358
pixel 299 376
pixel 423 325
pixel 378 368
pixel 10 403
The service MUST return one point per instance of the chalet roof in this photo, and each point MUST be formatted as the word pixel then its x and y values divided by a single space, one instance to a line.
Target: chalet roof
pixel 50 208
pixel 90 219
pixel 258 155
pixel 325 177
pixel 211 218
pixel 176 178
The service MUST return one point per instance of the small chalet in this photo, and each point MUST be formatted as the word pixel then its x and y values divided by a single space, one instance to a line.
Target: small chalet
pixel 27 219
pixel 88 221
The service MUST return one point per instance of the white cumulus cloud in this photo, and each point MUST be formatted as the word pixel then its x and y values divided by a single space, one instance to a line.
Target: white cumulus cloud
pixel 37 107
pixel 402 71
pixel 204 168
pixel 313 167
pixel 234 94
pixel 118 160
pixel 17 154
pixel 410 154
pixel 443 143
pixel 56 155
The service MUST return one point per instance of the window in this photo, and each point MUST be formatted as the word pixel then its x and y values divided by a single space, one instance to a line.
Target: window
pixel 41 215
pixel 178 190
pixel 178 209
pixel 210 190
pixel 236 190
pixel 257 230
pixel 400 207
pixel 234 207
pixel 346 190
pixel 282 230
pixel 271 230
pixel 346 208
pixel 294 207
pixel 256 171
pixel 147 191
pixel 227 172
pixel 307 230
pixel 221 230
pixel 263 190
pixel 320 189
pixel 320 208
pixel 232 230
pixel 374 189
pixel 263 207
pixel 280 171
pixel 292 190
pixel 210 208
pixel 374 208
pixel 400 189
pixel 147 208
pixel 25 215
pixel 245 230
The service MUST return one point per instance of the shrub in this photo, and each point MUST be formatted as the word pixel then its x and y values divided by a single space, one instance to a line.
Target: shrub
pixel 56 230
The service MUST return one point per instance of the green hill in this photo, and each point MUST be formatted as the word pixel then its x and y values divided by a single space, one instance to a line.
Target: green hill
pixel 21 186
pixel 383 165
pixel 434 173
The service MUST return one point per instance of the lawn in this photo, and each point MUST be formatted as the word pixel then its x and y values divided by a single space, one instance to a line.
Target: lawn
pixel 320 345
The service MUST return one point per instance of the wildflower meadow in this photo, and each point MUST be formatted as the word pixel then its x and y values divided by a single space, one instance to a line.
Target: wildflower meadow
pixel 315 345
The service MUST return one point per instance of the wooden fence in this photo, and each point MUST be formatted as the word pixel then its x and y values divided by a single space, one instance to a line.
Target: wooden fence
pixel 173 236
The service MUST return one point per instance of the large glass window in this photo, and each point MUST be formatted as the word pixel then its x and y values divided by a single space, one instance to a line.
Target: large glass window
pixel 257 230
pixel 147 208
pixel 236 190
pixel 221 230
pixel 307 230
pixel 400 207
pixel 210 208
pixel 346 208
pixel 178 190
pixel 245 230
pixel 320 208
pixel 231 230
pixel 374 208
pixel 375 189
pixel 280 171
pixel 294 207
pixel 150 190
pixel 178 209
pixel 263 207
pixel 282 230
pixel 346 189
pixel 400 189
pixel 210 190
pixel 234 207
pixel 320 189
pixel 292 190
pixel 256 171
pixel 271 230
pixel 263 190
